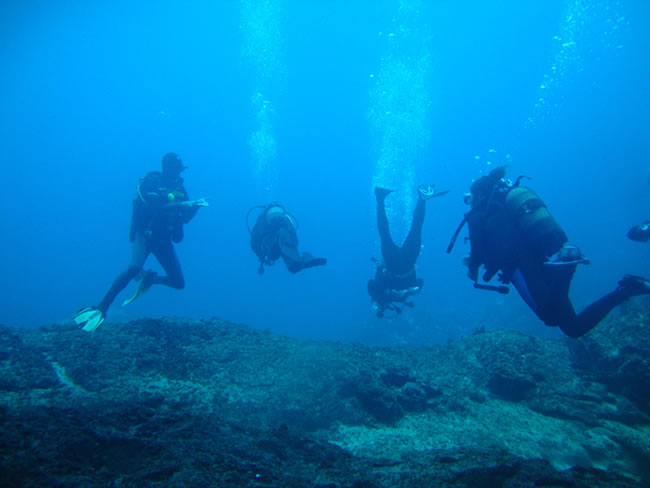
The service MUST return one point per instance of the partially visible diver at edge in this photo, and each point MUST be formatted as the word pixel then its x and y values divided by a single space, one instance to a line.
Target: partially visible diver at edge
pixel 512 233
pixel 640 233
pixel 274 236
pixel 161 208
pixel 395 279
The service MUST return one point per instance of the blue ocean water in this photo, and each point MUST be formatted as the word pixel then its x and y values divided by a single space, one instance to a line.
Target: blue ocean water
pixel 312 104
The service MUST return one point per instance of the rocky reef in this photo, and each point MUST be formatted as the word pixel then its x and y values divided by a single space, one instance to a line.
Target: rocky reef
pixel 179 403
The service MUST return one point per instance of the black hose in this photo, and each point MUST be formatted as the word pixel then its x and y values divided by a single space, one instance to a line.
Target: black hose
pixel 248 215
pixel 504 290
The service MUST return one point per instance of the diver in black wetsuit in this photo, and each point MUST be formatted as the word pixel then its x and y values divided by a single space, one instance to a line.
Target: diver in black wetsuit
pixel 161 208
pixel 395 280
pixel 274 236
pixel 640 233
pixel 512 233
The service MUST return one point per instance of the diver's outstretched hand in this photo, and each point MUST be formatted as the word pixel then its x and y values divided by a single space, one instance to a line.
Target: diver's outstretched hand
pixel 426 192
pixel 201 202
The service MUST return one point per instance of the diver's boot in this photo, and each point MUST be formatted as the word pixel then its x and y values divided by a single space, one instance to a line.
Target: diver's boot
pixel 381 193
pixel 308 261
pixel 632 285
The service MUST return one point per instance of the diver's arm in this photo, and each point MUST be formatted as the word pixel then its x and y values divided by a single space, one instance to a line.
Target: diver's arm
pixel 477 254
pixel 402 295
pixel 475 260
pixel 189 208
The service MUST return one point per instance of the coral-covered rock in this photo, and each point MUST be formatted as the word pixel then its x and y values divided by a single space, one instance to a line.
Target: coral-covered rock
pixel 177 402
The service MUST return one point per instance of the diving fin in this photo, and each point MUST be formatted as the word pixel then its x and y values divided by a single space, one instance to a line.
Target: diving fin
pixel 634 285
pixel 89 318
pixel 146 281
pixel 309 261
pixel 382 193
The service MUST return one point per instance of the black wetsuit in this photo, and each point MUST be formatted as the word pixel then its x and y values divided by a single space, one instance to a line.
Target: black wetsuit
pixel 498 243
pixel 396 273
pixel 156 224
pixel 274 237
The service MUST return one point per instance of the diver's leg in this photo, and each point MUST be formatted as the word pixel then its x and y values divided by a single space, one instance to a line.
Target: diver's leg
pixel 166 256
pixel 546 291
pixel 288 244
pixel 556 307
pixel 520 284
pixel 413 242
pixel 139 255
pixel 294 261
pixel 591 316
pixel 389 251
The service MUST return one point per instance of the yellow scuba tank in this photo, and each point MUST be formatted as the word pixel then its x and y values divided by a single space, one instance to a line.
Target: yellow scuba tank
pixel 275 212
pixel 534 222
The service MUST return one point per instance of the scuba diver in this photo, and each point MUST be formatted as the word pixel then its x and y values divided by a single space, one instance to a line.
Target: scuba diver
pixel 160 209
pixel 640 233
pixel 395 279
pixel 511 232
pixel 274 236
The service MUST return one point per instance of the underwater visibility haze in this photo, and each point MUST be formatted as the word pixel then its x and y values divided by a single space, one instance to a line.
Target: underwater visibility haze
pixel 312 104
pixel 276 379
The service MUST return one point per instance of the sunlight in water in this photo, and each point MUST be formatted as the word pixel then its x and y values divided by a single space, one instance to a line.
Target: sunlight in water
pixel 588 26
pixel 398 111
pixel 262 47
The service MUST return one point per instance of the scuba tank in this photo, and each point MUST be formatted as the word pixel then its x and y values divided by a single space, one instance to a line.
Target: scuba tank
pixel 271 211
pixel 531 226
pixel 262 240
pixel 537 228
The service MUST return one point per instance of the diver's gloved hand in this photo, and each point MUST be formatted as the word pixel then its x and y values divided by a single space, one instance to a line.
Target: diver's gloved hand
pixel 472 272
pixel 378 309
pixel 426 192
pixel 414 290
pixel 489 274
